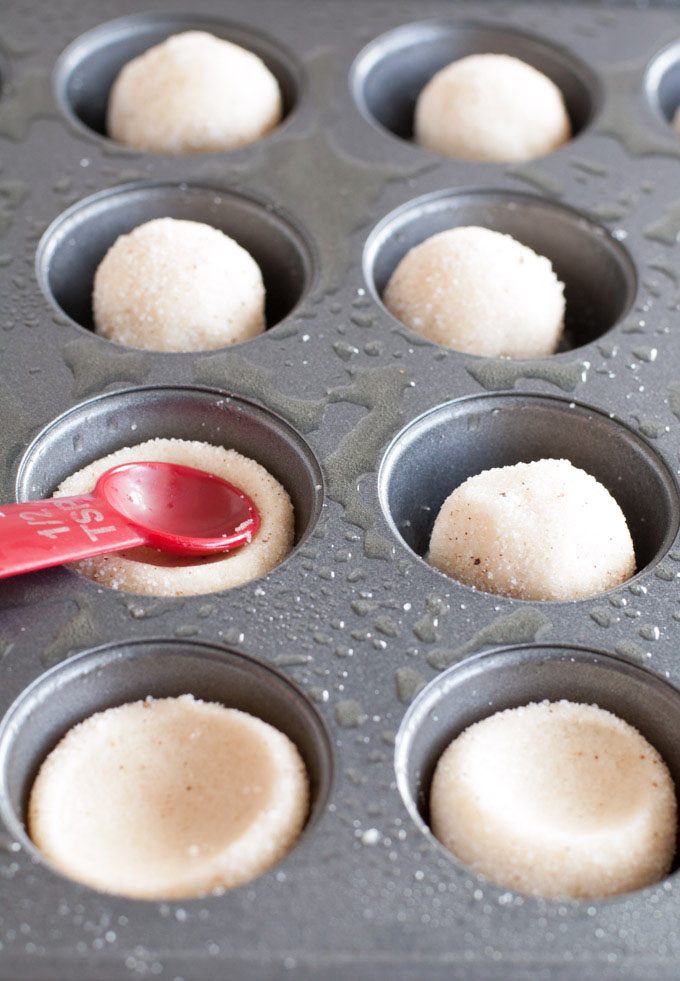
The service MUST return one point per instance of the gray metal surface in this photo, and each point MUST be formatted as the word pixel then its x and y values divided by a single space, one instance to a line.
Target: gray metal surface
pixel 348 409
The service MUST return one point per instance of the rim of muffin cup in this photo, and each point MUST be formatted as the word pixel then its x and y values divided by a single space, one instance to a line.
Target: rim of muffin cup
pixel 389 73
pixel 662 84
pixel 511 676
pixel 74 244
pixel 113 420
pixel 419 470
pixel 126 671
pixel 87 67
pixel 598 273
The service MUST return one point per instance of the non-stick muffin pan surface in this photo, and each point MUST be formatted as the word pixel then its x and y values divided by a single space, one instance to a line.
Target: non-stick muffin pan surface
pixel 368 426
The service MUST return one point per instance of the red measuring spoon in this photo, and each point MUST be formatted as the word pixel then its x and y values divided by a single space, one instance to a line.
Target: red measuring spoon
pixel 173 508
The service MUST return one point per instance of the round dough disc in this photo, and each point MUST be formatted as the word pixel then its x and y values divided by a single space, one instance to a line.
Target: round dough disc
pixel 491 107
pixel 536 531
pixel 556 799
pixel 175 285
pixel 169 799
pixel 144 570
pixel 193 93
pixel 481 292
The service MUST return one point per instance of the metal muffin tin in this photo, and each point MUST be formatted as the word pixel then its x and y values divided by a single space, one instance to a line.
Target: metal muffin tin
pixel 369 427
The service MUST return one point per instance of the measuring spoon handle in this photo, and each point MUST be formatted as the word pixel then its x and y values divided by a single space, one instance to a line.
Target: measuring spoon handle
pixel 39 534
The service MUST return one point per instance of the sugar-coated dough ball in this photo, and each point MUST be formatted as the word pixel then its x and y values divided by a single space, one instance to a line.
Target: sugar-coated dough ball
pixel 169 799
pixel 491 107
pixel 147 571
pixel 194 93
pixel 175 285
pixel 536 531
pixel 556 799
pixel 481 292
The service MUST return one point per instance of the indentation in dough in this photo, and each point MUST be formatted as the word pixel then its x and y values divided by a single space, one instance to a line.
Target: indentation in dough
pixel 144 570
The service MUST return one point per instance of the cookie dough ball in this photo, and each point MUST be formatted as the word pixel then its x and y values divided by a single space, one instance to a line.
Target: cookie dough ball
pixel 144 570
pixel 169 799
pixel 174 285
pixel 481 292
pixel 194 93
pixel 556 800
pixel 491 107
pixel 535 531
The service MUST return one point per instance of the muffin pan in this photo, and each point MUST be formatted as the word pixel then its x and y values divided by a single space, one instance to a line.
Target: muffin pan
pixel 367 657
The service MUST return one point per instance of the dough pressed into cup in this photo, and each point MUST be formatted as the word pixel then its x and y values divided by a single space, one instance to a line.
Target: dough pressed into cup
pixel 479 291
pixel 556 799
pixel 536 531
pixel 176 285
pixel 169 799
pixel 491 107
pixel 193 93
pixel 144 570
